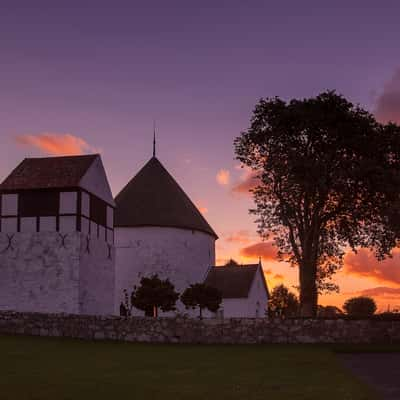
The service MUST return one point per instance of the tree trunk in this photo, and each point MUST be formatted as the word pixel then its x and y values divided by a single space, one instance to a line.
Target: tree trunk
pixel 155 312
pixel 308 290
pixel 201 313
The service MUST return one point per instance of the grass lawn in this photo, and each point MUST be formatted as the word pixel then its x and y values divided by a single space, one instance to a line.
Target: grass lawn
pixel 59 369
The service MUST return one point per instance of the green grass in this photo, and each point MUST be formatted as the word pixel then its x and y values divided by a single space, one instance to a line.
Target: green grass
pixel 59 369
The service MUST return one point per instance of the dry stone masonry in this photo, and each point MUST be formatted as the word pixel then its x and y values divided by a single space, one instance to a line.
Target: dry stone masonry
pixel 207 331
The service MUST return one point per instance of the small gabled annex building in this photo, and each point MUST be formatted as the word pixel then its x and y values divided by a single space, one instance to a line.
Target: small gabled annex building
pixel 243 287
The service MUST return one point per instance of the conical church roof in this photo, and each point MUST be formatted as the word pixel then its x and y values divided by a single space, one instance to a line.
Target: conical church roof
pixel 153 198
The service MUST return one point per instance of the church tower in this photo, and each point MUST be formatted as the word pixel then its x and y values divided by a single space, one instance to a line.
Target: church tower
pixel 159 230
pixel 57 237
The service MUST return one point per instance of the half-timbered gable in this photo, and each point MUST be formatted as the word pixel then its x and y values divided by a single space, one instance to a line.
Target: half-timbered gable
pixel 63 194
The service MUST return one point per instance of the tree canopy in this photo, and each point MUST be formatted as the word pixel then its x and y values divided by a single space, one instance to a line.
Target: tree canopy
pixel 361 306
pixel 328 180
pixel 202 296
pixel 153 294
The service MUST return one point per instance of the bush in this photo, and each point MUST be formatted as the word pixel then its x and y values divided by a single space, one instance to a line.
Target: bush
pixel 360 306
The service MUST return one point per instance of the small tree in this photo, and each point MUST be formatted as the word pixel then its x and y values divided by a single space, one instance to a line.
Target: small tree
pixel 282 302
pixel 153 294
pixel 202 296
pixel 360 306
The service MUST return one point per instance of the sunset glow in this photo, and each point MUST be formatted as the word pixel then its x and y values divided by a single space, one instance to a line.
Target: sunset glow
pixel 99 86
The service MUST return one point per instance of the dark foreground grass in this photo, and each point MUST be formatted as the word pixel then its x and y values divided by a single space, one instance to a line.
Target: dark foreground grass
pixel 59 369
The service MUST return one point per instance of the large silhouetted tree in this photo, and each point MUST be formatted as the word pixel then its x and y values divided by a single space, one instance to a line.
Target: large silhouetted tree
pixel 328 179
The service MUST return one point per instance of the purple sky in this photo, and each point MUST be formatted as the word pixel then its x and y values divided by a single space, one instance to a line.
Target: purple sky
pixel 104 71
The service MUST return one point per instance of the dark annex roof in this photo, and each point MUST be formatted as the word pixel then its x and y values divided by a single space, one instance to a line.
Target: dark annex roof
pixel 233 281
pixel 48 172
pixel 153 198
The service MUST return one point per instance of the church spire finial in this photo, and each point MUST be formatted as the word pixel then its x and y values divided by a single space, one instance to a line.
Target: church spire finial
pixel 154 138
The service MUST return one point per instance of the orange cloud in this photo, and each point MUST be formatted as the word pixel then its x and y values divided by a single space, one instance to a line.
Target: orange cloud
pixel 247 182
pixel 267 271
pixel 278 277
pixel 223 177
pixel 265 250
pixel 366 265
pixel 388 103
pixel 383 292
pixel 56 144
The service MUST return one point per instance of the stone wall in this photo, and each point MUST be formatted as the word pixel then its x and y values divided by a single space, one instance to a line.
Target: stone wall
pixel 181 330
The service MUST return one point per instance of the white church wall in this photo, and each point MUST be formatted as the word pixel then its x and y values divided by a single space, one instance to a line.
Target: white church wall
pixel 97 276
pixel 48 224
pixel 68 202
pixel 67 224
pixel 95 181
pixel 9 225
pixel 49 272
pixel 39 272
pixel 181 255
pixel 28 224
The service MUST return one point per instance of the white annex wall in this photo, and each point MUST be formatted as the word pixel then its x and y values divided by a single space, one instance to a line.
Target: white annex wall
pixel 181 255
pixel 252 306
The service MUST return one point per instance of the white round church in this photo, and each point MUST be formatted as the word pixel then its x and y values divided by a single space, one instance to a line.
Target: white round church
pixel 159 230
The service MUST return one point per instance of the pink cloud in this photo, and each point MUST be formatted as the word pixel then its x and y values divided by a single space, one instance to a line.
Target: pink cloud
pixel 56 143
pixel 223 177
pixel 247 182
pixel 241 237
